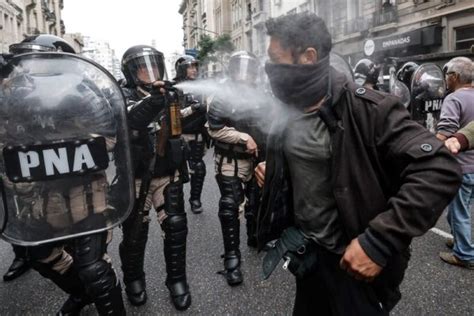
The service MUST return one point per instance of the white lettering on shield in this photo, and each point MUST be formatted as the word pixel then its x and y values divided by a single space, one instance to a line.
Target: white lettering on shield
pixel 27 161
pixel 56 162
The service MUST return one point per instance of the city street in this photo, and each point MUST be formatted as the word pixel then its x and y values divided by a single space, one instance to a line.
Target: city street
pixel 430 287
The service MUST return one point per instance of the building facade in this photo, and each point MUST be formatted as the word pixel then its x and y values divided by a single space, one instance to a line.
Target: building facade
pixel 400 30
pixel 100 52
pixel 19 18
pixel 423 30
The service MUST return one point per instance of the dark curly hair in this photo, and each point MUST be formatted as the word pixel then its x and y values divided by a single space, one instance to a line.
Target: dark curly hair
pixel 299 31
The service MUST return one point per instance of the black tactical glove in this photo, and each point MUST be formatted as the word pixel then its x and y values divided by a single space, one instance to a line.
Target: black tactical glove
pixel 198 107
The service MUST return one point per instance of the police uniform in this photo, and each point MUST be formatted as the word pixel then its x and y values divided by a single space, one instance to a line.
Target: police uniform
pixel 159 166
pixel 60 189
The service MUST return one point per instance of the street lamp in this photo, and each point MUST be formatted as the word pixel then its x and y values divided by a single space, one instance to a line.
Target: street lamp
pixel 199 28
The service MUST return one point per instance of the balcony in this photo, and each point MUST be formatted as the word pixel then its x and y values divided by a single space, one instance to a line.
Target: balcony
pixel 259 18
pixel 386 16
pixel 30 4
pixel 51 17
pixel 356 25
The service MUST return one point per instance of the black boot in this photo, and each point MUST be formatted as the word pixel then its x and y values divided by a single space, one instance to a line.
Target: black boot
pixel 232 271
pixel 136 292
pixel 16 269
pixel 196 206
pixel 231 196
pixel 73 305
pixel 132 256
pixel 176 230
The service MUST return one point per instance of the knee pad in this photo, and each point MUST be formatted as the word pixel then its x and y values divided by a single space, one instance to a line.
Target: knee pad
pixel 175 228
pixel 228 206
pixel 174 198
pixel 89 249
pixel 230 188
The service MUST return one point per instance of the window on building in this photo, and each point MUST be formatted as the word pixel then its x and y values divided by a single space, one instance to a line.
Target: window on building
pixel 388 4
pixel 464 37
pixel 352 9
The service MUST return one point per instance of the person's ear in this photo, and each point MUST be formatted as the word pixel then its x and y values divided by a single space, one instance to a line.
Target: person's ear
pixel 309 56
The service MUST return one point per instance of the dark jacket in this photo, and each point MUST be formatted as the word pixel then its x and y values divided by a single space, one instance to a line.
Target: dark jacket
pixel 143 143
pixel 391 178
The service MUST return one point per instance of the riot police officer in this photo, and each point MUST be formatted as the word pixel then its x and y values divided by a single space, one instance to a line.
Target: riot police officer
pixel 193 111
pixel 160 167
pixel 64 178
pixel 427 89
pixel 35 43
pixel 238 142
pixel 366 73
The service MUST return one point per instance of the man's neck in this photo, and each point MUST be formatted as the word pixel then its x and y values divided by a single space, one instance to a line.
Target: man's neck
pixel 463 86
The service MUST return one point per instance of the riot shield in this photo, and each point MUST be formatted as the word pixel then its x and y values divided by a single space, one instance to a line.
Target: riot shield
pixel 341 65
pixel 427 91
pixel 399 89
pixel 64 158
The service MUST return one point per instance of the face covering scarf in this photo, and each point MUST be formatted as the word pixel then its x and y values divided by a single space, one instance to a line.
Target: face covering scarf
pixel 299 86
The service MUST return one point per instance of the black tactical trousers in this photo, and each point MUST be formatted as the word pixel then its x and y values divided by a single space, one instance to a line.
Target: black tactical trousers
pixel 331 291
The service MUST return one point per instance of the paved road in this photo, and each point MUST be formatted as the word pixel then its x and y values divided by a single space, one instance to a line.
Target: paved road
pixel 430 287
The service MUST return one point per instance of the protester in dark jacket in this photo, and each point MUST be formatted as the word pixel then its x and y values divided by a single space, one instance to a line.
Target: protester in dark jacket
pixel 352 172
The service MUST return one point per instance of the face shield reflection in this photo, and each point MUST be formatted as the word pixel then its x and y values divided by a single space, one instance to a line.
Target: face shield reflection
pixel 243 69
pixel 147 69
pixel 428 83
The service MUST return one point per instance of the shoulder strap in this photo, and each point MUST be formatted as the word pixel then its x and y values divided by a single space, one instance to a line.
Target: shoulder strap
pixel 366 93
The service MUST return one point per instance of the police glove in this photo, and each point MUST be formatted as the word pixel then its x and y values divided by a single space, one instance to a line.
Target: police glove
pixel 197 106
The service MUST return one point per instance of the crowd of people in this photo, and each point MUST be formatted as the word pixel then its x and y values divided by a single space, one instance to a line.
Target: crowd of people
pixel 336 182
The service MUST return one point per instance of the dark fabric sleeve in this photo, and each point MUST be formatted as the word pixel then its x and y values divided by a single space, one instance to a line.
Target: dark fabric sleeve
pixel 463 141
pixel 428 179
pixel 145 111
pixel 466 136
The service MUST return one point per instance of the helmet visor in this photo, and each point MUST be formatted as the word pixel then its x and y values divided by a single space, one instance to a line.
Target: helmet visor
pixel 23 48
pixel 243 69
pixel 146 68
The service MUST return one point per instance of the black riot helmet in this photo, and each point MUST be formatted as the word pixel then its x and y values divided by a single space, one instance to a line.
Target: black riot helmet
pixel 243 66
pixel 181 66
pixel 143 65
pixel 366 71
pixel 405 73
pixel 41 43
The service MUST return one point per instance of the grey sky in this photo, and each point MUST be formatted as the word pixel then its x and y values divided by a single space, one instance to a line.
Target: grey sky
pixel 124 23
